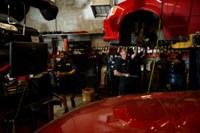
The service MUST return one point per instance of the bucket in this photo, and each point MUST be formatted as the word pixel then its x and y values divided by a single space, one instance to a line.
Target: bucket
pixel 88 94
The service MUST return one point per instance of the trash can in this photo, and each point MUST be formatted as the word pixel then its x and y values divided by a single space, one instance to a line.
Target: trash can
pixel 88 94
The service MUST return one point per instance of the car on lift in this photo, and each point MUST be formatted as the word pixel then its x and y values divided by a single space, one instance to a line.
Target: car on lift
pixel 137 21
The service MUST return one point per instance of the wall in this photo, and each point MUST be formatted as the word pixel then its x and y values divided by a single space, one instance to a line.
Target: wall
pixel 73 15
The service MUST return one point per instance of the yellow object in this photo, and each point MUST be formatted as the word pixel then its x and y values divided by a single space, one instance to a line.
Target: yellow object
pixel 187 44
pixel 88 94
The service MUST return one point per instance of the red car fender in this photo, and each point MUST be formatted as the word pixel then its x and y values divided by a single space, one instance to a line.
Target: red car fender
pixel 178 18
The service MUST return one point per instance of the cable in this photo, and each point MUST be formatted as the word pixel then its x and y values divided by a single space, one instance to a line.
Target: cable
pixel 8 18
pixel 20 103
pixel 158 34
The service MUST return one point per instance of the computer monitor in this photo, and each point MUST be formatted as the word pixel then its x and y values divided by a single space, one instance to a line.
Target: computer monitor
pixel 27 58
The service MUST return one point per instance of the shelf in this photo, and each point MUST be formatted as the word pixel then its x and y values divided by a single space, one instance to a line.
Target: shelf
pixel 72 36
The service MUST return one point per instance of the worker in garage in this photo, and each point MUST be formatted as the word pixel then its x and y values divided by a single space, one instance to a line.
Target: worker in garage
pixel 162 72
pixel 65 74
pixel 127 84
pixel 177 73
pixel 137 68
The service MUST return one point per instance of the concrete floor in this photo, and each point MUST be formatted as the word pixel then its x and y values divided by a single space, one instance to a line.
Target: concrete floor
pixel 59 110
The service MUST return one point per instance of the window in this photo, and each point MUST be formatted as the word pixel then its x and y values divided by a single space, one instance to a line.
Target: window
pixel 101 8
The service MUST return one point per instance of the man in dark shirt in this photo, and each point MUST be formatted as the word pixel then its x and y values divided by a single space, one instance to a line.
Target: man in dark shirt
pixel 122 70
pixel 161 70
pixel 135 69
pixel 177 73
pixel 127 68
pixel 65 71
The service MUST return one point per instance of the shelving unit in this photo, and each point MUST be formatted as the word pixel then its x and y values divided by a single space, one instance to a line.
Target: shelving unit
pixel 79 47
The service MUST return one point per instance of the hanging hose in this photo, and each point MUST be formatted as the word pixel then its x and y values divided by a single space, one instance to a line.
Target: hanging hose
pixel 8 18
pixel 154 61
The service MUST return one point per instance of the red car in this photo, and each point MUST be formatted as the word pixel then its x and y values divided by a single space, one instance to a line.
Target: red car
pixel 137 21
pixel 169 112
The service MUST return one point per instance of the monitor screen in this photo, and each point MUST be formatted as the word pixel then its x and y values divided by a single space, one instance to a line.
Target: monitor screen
pixel 27 58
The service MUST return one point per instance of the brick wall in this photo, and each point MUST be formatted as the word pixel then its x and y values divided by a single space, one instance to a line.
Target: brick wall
pixel 73 15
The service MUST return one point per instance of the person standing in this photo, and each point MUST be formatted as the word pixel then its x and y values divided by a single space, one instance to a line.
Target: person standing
pixel 121 70
pixel 65 73
pixel 162 72
pixel 136 63
pixel 177 73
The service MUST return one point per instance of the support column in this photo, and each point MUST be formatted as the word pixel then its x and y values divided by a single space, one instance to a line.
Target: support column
pixel 65 48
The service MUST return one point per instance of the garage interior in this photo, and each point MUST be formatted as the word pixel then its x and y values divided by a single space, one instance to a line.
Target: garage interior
pixel 75 26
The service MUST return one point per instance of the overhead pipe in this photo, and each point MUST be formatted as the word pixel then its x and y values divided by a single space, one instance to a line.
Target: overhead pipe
pixel 24 24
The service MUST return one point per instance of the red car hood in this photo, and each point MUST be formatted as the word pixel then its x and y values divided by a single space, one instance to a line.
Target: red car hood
pixel 156 112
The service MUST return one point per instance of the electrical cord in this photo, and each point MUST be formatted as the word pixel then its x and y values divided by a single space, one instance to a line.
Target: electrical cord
pixel 20 103
pixel 158 34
